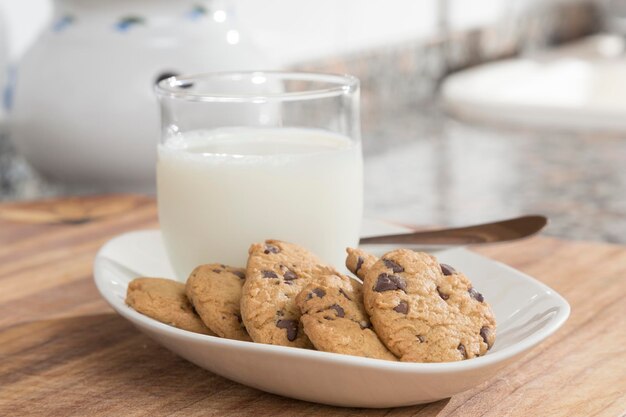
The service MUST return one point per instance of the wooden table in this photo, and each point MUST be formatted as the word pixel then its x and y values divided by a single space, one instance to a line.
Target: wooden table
pixel 64 352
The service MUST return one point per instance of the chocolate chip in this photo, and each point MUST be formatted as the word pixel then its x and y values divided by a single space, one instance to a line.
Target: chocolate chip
pixel 271 249
pixel 217 271
pixel 442 295
pixel 339 310
pixel 291 326
pixel 476 295
pixel 317 291
pixel 388 282
pixel 402 307
pixel 393 265
pixel 342 292
pixel 269 274
pixel 420 338
pixel 239 274
pixel 461 349
pixel 484 333
pixel 359 264
pixel 447 269
pixel 289 275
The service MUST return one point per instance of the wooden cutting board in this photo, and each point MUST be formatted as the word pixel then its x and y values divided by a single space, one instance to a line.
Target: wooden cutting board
pixel 64 352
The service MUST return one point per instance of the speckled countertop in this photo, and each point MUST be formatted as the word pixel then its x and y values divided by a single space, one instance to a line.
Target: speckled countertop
pixel 424 168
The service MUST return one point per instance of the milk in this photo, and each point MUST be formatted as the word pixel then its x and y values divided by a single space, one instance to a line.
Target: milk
pixel 221 190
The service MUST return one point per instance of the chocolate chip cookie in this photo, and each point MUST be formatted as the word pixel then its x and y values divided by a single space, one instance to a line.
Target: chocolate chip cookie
pixel 276 273
pixel 425 311
pixel 334 318
pixel 359 262
pixel 215 292
pixel 164 300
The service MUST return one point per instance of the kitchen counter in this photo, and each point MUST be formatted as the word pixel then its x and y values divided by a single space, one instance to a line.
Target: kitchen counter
pixel 65 352
pixel 423 168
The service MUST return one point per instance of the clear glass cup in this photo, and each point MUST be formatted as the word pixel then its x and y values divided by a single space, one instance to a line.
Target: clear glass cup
pixel 249 156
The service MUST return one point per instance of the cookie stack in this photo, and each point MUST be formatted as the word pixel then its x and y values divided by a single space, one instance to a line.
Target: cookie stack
pixel 404 306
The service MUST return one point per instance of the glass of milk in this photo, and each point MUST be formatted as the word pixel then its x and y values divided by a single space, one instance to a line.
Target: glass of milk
pixel 249 156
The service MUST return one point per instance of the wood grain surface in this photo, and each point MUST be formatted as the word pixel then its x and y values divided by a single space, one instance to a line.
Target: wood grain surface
pixel 64 352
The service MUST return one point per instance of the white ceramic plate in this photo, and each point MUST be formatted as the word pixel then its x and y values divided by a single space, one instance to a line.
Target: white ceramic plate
pixel 527 312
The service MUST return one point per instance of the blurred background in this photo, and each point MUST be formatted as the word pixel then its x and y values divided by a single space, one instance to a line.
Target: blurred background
pixel 471 111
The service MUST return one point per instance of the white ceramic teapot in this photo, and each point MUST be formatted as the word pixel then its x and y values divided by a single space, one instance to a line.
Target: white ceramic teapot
pixel 83 109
